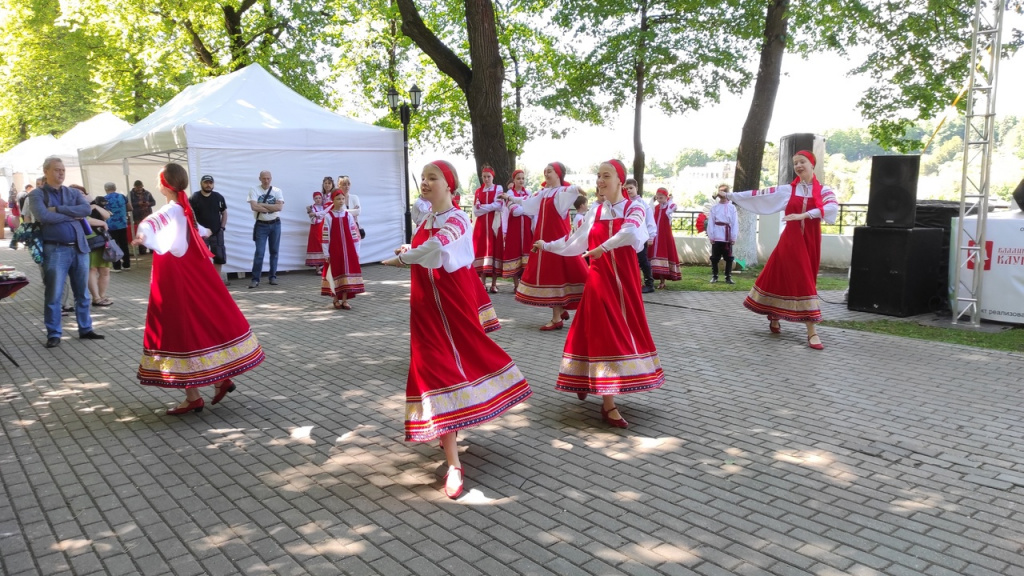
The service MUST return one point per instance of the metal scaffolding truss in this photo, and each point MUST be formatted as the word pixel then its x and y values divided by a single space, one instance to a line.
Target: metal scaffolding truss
pixel 979 140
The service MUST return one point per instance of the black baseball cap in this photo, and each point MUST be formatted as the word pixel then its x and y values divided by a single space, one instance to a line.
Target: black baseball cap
pixel 206 178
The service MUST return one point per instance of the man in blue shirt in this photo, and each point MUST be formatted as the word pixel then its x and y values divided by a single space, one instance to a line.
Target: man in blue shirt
pixel 60 210
pixel 117 224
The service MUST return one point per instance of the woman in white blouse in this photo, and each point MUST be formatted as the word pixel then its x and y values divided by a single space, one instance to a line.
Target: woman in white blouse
pixel 352 204
pixel 787 289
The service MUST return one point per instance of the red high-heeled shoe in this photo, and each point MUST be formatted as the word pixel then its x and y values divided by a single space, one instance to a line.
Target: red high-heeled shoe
pixel 196 405
pixel 616 422
pixel 455 494
pixel 226 386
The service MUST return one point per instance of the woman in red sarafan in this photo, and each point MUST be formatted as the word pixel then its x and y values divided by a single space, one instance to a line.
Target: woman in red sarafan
pixel 342 277
pixel 195 334
pixel 662 253
pixel 458 377
pixel 551 280
pixel 488 242
pixel 518 230
pixel 787 287
pixel 609 349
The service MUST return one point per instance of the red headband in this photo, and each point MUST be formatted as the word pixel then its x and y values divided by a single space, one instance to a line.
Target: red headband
pixel 488 171
pixel 808 155
pixel 620 169
pixel 559 169
pixel 165 184
pixel 446 171
pixel 514 172
pixel 665 190
pixel 315 194
pixel 336 193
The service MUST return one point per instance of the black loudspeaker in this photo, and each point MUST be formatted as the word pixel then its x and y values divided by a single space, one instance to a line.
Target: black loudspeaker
pixel 892 199
pixel 893 271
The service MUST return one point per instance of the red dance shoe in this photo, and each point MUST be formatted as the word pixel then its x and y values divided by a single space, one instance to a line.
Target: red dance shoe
pixel 552 326
pixel 453 494
pixel 565 314
pixel 775 327
pixel 581 395
pixel 226 386
pixel 196 405
pixel 616 422
pixel 818 346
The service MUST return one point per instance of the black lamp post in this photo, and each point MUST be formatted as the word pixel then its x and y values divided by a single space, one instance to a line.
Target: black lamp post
pixel 405 113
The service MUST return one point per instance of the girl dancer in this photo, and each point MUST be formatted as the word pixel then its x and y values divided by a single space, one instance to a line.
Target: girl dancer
pixel 662 253
pixel 316 213
pixel 487 238
pixel 517 228
pixel 552 280
pixel 609 349
pixel 458 377
pixel 195 334
pixel 342 277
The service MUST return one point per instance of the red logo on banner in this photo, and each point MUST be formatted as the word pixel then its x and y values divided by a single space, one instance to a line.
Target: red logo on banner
pixel 988 255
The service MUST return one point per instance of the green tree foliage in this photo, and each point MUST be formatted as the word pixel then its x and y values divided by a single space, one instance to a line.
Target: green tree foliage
pixel 670 53
pixel 47 70
pixel 853 143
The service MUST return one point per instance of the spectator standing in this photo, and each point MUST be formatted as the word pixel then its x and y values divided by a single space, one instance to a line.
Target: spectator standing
pixel 99 269
pixel 266 201
pixel 352 204
pixel 212 213
pixel 117 224
pixel 723 225
pixel 60 210
pixel 141 203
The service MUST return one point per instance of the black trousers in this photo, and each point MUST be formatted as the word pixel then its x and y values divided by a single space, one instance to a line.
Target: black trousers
pixel 121 239
pixel 721 250
pixel 645 266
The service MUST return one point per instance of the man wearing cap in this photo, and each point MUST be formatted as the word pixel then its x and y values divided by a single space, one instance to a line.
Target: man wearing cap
pixel 212 212
pixel 267 202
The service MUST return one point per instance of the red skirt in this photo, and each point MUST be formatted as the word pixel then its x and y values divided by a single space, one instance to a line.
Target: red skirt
pixel 609 349
pixel 549 279
pixel 458 376
pixel 487 245
pixel 314 246
pixel 662 253
pixel 787 287
pixel 485 309
pixel 518 244
pixel 195 334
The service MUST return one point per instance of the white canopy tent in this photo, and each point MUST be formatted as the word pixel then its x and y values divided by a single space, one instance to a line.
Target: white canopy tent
pixel 100 128
pixel 23 163
pixel 234 126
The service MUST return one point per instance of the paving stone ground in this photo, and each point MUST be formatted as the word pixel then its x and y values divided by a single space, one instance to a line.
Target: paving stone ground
pixel 880 455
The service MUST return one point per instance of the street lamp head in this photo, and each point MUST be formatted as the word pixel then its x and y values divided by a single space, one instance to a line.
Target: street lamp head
pixel 415 93
pixel 393 98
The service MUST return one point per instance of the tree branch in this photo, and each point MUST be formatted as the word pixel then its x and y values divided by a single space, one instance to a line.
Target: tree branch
pixel 447 61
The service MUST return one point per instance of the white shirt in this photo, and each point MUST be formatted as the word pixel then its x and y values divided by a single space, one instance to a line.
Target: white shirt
pixel 565 197
pixel 166 230
pixel 774 199
pixel 451 247
pixel 420 211
pixel 354 207
pixel 272 196
pixel 722 215
pixel 652 226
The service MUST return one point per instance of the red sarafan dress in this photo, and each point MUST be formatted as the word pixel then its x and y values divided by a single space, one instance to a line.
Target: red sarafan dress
pixel 609 349
pixel 787 287
pixel 458 376
pixel 662 253
pixel 340 247
pixel 487 238
pixel 314 242
pixel 195 334
pixel 518 228
pixel 550 279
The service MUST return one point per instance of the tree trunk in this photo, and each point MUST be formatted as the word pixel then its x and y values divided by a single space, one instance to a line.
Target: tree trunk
pixel 481 83
pixel 759 118
pixel 639 159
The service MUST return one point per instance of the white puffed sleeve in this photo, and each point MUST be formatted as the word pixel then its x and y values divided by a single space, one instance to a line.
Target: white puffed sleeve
pixel 767 201
pixel 829 205
pixel 166 230
pixel 451 247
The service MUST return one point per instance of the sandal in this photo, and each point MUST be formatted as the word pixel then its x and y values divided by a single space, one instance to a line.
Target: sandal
pixel 104 302
pixel 493 290
pixel 345 306
pixel 337 304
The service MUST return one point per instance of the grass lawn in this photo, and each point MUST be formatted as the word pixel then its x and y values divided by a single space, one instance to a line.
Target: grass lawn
pixel 696 278
pixel 1011 340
